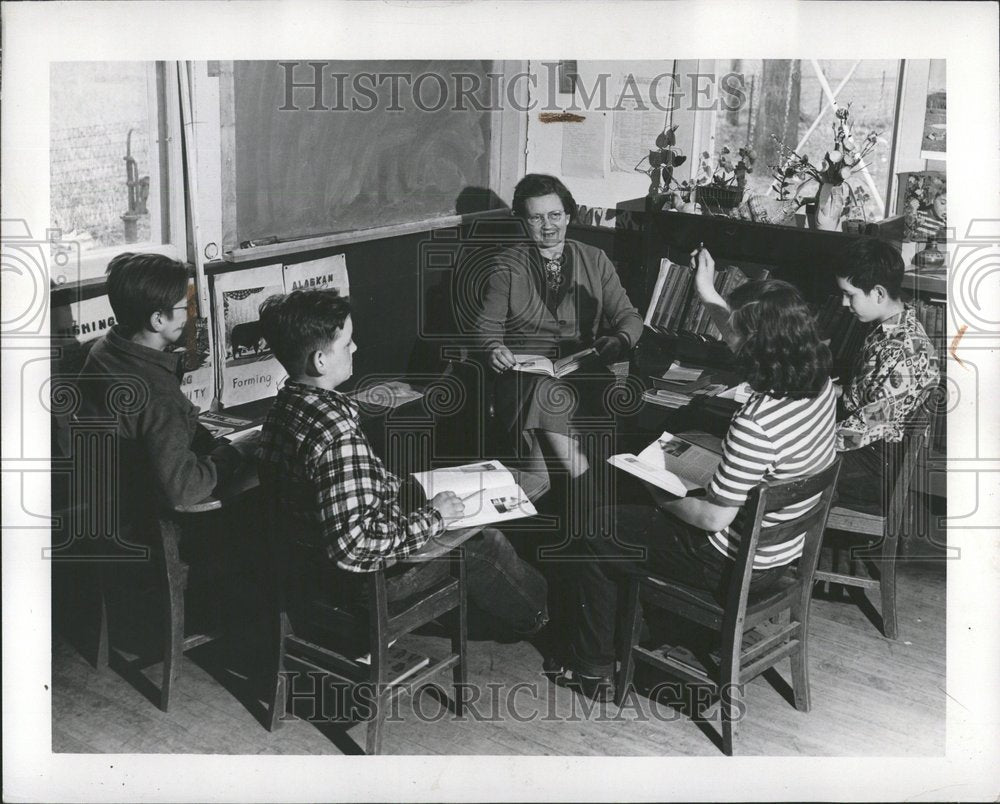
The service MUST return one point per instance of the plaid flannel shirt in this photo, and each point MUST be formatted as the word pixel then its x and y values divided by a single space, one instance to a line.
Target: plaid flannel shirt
pixel 896 364
pixel 315 458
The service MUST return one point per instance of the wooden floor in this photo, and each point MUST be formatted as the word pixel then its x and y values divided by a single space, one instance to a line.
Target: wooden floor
pixel 870 697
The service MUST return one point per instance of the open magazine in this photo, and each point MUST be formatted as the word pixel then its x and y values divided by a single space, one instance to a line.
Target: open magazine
pixel 672 463
pixel 488 489
pixel 536 364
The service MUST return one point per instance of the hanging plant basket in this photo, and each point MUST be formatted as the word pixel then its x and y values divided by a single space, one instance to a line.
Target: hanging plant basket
pixel 718 200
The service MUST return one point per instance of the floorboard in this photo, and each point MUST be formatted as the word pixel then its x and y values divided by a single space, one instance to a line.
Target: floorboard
pixel 871 697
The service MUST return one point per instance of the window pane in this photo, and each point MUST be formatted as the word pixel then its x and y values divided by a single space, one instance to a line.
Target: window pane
pixel 785 98
pixel 104 155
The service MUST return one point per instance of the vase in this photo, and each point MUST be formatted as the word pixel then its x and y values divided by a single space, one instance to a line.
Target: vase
pixel 931 257
pixel 830 206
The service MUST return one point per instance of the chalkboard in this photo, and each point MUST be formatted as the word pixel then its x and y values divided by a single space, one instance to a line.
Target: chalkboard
pixel 302 171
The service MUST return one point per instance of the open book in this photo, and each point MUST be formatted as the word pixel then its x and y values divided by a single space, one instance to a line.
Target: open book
pixel 536 364
pixel 488 489
pixel 672 463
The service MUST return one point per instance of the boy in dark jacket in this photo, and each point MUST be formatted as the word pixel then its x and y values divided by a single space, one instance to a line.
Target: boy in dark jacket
pixel 132 379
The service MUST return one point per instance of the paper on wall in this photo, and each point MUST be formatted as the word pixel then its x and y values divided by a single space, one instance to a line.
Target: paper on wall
pixel 247 370
pixel 583 145
pixel 328 272
pixel 634 127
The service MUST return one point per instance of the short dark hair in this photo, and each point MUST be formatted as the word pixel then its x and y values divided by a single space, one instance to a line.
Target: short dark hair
pixel 781 354
pixel 870 261
pixel 301 322
pixel 139 285
pixel 535 185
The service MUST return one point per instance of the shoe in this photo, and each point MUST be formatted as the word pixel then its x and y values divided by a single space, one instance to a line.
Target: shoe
pixel 597 688
pixel 553 665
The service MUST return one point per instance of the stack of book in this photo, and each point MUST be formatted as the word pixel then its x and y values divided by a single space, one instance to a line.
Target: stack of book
pixel 680 384
pixel 675 307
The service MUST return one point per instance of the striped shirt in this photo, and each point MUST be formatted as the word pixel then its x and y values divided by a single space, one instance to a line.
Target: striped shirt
pixel 772 438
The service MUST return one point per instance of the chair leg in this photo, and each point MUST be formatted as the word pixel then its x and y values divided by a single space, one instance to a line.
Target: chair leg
pixel 380 699
pixel 631 626
pixel 730 706
pixel 103 639
pixel 459 673
pixel 887 587
pixel 730 687
pixel 175 582
pixel 279 690
pixel 800 675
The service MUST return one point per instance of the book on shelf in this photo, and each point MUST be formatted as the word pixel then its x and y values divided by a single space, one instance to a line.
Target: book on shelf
pixel 673 463
pixel 487 488
pixel 675 306
pixel 537 364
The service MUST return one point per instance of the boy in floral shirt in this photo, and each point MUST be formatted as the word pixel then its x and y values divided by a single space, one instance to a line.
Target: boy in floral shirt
pixel 897 364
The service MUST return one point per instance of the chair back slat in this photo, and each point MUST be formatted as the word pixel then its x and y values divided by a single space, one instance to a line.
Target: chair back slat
pixel 772 496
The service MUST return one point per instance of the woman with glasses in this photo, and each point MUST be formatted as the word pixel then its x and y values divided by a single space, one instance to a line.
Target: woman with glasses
pixel 553 297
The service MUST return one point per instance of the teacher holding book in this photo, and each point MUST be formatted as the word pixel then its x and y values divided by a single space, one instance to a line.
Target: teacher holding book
pixel 546 300
pixel 783 431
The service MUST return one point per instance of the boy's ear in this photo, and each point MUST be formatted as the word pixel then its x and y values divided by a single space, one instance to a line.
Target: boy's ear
pixel 315 364
pixel 880 293
pixel 155 321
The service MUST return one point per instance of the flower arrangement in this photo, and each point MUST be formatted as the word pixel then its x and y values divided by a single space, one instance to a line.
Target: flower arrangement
pixel 847 157
pixel 838 166
pixel 724 173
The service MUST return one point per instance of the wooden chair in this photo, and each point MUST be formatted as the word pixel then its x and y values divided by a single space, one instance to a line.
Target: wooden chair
pixel 881 557
pixel 92 456
pixel 309 632
pixel 742 613
pixel 172 574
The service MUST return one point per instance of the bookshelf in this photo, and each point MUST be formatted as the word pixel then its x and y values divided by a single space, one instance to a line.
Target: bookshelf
pixel 804 257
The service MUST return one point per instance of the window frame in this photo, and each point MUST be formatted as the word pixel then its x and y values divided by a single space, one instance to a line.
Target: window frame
pixel 166 203
pixel 704 120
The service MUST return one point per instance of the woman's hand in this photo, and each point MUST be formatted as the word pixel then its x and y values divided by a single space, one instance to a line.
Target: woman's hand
pixel 611 348
pixel 704 277
pixel 502 359
pixel 449 505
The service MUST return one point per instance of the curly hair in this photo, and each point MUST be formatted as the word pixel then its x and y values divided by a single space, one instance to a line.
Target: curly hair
pixel 535 185
pixel 780 353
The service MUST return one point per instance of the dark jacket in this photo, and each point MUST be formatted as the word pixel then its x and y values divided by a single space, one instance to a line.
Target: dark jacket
pixel 165 456
pixel 515 315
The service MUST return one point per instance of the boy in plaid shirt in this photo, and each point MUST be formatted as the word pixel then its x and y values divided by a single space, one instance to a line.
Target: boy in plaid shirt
pixel 317 461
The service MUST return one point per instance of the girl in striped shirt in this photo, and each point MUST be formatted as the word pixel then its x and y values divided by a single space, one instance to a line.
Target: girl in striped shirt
pixel 785 430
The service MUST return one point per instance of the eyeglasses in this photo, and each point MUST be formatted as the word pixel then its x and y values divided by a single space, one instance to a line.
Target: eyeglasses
pixel 555 218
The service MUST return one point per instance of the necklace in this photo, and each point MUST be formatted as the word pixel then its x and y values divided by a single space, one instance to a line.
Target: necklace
pixel 553 272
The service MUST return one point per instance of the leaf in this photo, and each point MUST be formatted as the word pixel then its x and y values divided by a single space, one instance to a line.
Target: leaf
pixel 679 160
pixel 663 140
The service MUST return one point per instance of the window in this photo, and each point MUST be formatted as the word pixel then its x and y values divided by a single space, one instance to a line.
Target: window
pixel 115 181
pixel 791 99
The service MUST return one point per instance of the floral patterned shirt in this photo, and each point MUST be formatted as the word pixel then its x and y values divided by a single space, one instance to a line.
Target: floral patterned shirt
pixel 897 363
